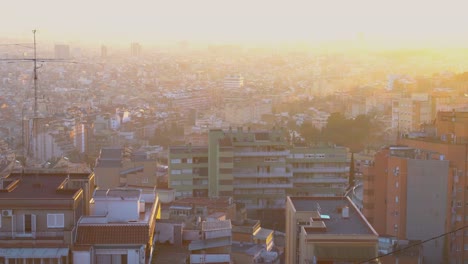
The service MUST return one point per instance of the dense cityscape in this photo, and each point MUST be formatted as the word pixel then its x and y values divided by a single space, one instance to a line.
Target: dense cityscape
pixel 189 152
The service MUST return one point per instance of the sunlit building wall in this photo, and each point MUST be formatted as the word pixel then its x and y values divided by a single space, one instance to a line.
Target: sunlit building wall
pixel 451 141
pixel 319 170
pixel 408 114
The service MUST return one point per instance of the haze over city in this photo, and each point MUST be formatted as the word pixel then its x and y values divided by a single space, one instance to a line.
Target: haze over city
pixel 382 23
pixel 233 132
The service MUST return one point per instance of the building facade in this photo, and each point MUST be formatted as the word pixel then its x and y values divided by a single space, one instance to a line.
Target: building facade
pixel 407 187
pixel 120 167
pixel 319 171
pixel 120 228
pixel 327 230
pixel 257 168
pixel 39 213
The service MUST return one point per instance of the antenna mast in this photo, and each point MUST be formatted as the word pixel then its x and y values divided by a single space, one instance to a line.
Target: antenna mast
pixel 35 75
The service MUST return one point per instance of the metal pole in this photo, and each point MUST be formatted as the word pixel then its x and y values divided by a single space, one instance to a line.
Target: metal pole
pixel 35 75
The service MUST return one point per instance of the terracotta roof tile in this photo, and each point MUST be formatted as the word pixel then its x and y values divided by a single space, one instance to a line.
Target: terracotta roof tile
pixel 112 234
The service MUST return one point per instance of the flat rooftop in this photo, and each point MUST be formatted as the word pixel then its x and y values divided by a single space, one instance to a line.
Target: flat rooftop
pixel 35 186
pixel 118 193
pixel 188 149
pixel 330 207
pixel 111 153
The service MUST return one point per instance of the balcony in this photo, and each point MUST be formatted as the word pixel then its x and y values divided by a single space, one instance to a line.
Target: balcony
pixel 320 180
pixel 272 206
pixel 322 169
pixel 261 153
pixel 254 174
pixel 262 185
pixel 47 235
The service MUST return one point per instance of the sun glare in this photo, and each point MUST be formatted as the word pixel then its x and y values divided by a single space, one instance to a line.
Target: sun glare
pixel 376 22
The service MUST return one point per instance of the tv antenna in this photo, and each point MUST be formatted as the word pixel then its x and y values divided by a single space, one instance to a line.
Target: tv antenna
pixel 35 60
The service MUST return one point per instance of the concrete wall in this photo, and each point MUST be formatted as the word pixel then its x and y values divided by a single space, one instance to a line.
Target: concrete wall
pixel 107 178
pixel 427 204
pixel 165 232
pixel 191 235
pixel 119 210
pixel 83 257
pixel 166 195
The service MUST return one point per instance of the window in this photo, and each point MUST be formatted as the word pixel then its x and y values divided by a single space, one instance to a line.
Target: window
pixel 225 171
pixel 174 183
pixel 396 184
pixel 174 161
pixel 55 220
pixel 396 199
pixel 29 223
pixel 225 182
pixel 226 159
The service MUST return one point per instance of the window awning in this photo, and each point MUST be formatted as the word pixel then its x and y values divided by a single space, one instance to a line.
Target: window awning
pixel 33 252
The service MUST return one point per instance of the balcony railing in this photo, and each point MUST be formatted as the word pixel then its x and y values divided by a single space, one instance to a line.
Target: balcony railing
pixel 262 185
pixel 270 206
pixel 322 169
pixel 261 153
pixel 247 174
pixel 320 180
pixel 18 235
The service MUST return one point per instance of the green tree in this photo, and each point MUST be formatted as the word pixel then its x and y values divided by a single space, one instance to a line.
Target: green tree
pixel 352 133
pixel 310 133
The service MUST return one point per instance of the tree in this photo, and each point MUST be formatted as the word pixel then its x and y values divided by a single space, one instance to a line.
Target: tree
pixel 352 133
pixel 310 133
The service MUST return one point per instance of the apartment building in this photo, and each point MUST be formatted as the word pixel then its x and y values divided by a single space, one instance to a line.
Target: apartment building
pixel 319 170
pixel 39 214
pixel 188 170
pixel 327 230
pixel 408 113
pixel 234 81
pixel 450 140
pixel 246 165
pixel 120 228
pixel 216 238
pixel 407 195
pixel 121 167
pixel 256 168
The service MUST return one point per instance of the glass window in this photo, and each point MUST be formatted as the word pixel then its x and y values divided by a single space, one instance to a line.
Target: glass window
pixel 55 220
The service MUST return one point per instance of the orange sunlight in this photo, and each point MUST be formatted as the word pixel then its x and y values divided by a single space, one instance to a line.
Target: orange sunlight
pixel 399 22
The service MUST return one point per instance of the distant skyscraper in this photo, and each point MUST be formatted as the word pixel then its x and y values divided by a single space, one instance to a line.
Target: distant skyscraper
pixel 62 51
pixel 135 49
pixel 103 51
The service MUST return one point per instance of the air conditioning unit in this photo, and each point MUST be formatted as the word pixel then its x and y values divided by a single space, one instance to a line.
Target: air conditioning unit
pixel 7 213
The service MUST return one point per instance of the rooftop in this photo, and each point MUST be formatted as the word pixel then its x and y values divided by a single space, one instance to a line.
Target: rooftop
pixel 220 202
pixel 117 193
pixel 36 186
pixel 330 207
pixel 216 225
pixel 111 153
pixel 189 149
pixel 112 234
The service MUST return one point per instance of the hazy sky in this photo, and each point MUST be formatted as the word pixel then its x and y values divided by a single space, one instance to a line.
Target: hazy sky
pixel 107 21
